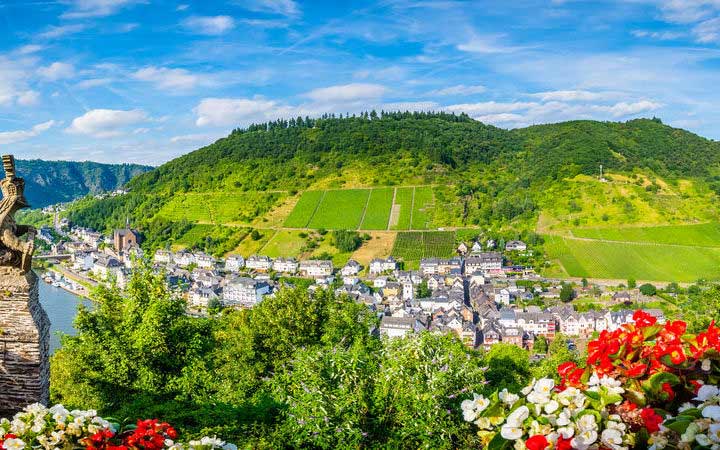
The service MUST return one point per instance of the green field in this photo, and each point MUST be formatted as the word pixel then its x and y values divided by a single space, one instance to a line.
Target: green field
pixel 642 261
pixel 304 209
pixel 377 213
pixel 285 243
pixel 341 209
pixel 415 245
pixel 701 235
pixel 219 207
pixel 421 208
pixel 403 198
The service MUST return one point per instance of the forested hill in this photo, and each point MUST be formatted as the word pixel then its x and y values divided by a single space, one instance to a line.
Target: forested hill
pixel 49 182
pixel 300 152
pixel 492 176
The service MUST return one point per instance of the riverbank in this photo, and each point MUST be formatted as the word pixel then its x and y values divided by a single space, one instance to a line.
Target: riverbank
pixel 84 284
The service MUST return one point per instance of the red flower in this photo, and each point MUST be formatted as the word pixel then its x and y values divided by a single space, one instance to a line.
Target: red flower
pixel 537 442
pixel 677 327
pixel 669 391
pixel 565 368
pixel 643 319
pixel 636 370
pixel 651 419
pixel 563 444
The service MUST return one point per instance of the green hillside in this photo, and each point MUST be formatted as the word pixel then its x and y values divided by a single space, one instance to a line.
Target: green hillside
pixel 50 182
pixel 424 171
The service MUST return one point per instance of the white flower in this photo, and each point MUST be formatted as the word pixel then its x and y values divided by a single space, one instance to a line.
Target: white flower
pixel 587 422
pixel 566 432
pixel 37 425
pixel 690 432
pixel 13 444
pixel 481 403
pixel 714 432
pixel 706 365
pixel 538 398
pixel 511 433
pixel 469 415
pixel 563 418
pixel 584 440
pixel 517 417
pixel 706 392
pixel 18 427
pixel 229 447
pixel 567 396
pixel 507 397
pixel 611 438
pixel 703 440
pixel 551 406
pixel 712 412
pixel 527 389
pixel 212 441
pixel 544 386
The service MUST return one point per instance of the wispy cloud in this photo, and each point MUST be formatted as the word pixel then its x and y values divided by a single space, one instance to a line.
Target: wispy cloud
pixel 57 71
pixel 347 92
pixel 82 9
pixel 282 7
pixel 209 25
pixel 54 32
pixel 169 78
pixel 104 123
pixel 489 44
pixel 10 137
pixel 459 89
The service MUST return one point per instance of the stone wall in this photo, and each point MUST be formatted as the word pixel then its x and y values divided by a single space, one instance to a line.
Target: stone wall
pixel 24 343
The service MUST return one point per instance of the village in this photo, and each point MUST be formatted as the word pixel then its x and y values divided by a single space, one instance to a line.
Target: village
pixel 474 295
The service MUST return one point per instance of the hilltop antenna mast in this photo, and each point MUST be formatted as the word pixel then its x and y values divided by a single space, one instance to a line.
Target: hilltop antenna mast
pixel 601 172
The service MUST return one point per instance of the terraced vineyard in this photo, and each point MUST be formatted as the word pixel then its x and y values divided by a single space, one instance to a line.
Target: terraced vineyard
pixel 220 207
pixel 402 208
pixel 415 245
pixel 668 253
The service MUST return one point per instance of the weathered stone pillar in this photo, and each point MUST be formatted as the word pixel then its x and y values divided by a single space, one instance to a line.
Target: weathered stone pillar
pixel 24 343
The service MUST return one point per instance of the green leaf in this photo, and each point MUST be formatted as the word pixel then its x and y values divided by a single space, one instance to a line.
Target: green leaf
pixel 498 443
pixel 593 395
pixel 678 426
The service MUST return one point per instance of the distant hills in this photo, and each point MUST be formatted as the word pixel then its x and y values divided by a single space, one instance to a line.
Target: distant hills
pixel 541 179
pixel 49 182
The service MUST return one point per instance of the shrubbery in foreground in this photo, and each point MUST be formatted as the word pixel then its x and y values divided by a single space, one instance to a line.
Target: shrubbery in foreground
pixel 642 385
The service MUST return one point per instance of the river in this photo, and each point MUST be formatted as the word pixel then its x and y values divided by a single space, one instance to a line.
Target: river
pixel 61 307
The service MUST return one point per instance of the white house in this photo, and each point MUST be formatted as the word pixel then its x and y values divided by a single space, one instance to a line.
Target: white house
pixel 258 262
pixel 316 268
pixel 378 265
pixel 105 266
pixel 163 257
pixel 183 258
pixel 204 261
pixel 234 263
pixel 244 291
pixel 350 269
pixel 518 246
pixel 393 327
pixel 285 265
pixel 483 262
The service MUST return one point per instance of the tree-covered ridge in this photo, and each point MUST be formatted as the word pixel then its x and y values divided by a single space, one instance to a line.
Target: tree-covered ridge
pixel 49 182
pixel 481 175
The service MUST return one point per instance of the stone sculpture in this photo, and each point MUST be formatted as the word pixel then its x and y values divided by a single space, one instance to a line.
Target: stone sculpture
pixel 24 325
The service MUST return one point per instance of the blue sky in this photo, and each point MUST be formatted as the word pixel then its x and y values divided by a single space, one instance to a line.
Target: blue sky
pixel 147 80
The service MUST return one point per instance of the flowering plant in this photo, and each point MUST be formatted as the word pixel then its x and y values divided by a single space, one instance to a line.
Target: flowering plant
pixel 634 378
pixel 39 427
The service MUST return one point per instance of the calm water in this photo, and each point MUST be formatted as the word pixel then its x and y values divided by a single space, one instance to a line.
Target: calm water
pixel 61 307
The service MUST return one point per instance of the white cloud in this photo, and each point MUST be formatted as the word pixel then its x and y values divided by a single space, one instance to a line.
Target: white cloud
pixel 165 78
pixel 459 89
pixel 56 71
pixel 210 25
pixel 659 35
pixel 182 7
pixel 193 138
pixel 623 109
pixel 409 106
pixel 29 49
pixel 488 44
pixel 106 122
pixel 708 31
pixel 687 11
pixel 347 92
pixel 28 98
pixel 236 111
pixel 82 9
pixel 574 95
pixel 93 82
pixel 283 7
pixel 53 32
pixel 502 118
pixel 485 108
pixel 10 137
